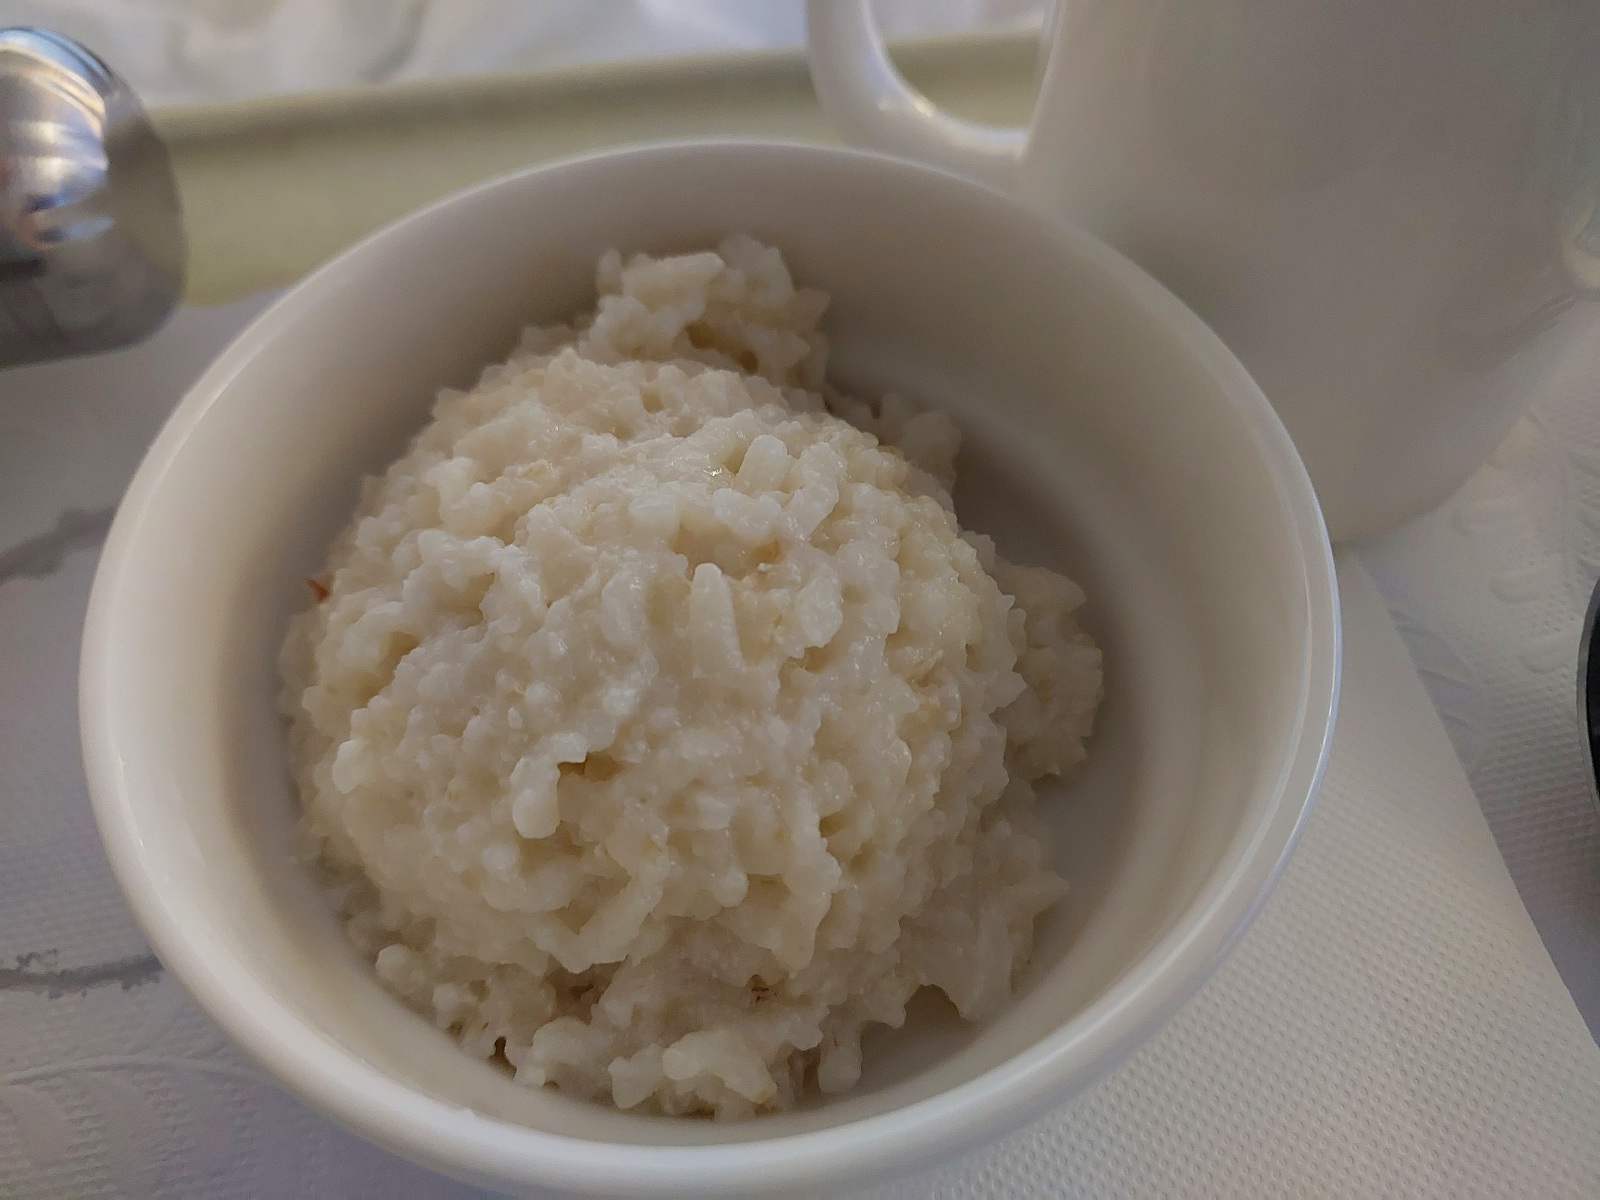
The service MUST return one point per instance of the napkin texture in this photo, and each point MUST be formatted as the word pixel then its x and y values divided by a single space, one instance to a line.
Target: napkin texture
pixel 1489 593
pixel 1392 1024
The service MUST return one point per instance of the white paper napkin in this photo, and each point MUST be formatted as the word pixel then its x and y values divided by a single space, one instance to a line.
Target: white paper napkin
pixel 1392 1025
pixel 1490 593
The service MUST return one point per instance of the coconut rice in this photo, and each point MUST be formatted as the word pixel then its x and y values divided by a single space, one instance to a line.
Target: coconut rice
pixel 661 727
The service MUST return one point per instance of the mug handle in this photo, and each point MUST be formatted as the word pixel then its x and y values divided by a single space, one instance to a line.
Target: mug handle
pixel 873 105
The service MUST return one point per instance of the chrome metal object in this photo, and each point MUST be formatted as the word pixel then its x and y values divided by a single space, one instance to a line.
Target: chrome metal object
pixel 91 238
pixel 1589 693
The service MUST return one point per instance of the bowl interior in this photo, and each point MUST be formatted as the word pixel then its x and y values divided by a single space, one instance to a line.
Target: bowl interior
pixel 1104 435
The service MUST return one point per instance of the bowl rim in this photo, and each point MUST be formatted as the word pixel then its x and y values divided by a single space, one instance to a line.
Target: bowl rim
pixel 465 1143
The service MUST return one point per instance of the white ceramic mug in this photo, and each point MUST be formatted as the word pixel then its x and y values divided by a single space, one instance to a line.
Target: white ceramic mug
pixel 1383 206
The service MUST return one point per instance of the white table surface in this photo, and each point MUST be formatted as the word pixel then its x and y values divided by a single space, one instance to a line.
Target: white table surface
pixel 1391 1025
pixel 1488 592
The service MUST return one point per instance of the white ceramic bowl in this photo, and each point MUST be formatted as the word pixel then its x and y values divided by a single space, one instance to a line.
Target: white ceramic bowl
pixel 1108 430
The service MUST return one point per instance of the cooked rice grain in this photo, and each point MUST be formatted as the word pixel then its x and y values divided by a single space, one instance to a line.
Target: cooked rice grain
pixel 662 727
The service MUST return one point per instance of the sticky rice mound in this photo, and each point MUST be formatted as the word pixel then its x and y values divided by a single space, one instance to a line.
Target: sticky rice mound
pixel 660 726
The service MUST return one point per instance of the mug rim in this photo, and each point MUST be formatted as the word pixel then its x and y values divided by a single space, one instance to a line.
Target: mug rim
pixel 470 1145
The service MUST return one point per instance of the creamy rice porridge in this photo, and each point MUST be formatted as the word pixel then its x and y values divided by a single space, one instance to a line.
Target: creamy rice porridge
pixel 660 725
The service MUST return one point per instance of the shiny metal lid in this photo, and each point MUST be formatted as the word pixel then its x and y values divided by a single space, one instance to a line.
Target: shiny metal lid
pixel 91 240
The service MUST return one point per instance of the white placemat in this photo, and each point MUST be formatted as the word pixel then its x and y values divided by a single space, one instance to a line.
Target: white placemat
pixel 1392 1025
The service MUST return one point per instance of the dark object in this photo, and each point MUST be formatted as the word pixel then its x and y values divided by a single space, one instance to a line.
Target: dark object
pixel 1589 692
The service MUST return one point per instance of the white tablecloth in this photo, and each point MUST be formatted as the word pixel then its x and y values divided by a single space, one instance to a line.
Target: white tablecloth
pixel 1392 1025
